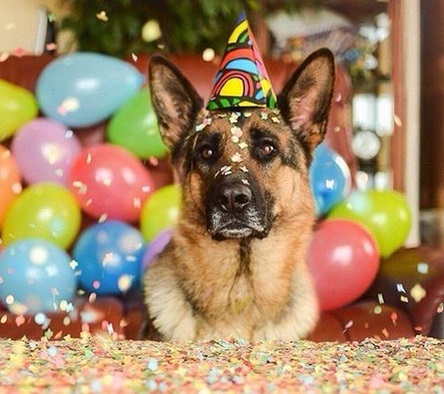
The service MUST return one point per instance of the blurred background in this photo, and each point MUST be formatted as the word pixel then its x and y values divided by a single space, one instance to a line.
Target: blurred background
pixel 83 168
pixel 392 53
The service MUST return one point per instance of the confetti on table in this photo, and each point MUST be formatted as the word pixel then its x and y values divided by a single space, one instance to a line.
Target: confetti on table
pixel 98 364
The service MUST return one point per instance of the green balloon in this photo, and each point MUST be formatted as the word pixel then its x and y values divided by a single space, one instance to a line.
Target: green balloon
pixel 43 210
pixel 134 127
pixel 17 106
pixel 385 213
pixel 160 211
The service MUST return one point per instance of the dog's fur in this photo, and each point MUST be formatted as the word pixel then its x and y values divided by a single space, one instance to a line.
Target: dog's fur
pixel 236 264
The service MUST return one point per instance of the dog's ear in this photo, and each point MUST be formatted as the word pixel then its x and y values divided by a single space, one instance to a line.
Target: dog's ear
pixel 175 101
pixel 305 99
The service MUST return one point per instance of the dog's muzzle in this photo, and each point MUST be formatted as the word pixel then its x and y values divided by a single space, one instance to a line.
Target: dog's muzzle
pixel 235 209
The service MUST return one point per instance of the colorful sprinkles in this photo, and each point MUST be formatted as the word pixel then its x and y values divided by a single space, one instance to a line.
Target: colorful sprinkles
pixel 96 364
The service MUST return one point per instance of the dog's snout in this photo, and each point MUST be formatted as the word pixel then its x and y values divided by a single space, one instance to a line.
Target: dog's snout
pixel 234 197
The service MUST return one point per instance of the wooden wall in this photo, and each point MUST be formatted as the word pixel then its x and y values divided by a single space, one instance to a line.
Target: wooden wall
pixel 432 105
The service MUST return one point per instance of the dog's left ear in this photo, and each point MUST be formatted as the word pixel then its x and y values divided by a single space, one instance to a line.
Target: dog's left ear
pixel 175 101
pixel 305 99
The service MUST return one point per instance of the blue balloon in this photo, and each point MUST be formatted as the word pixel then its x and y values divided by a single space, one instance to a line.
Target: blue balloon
pixel 330 178
pixel 37 277
pixel 84 88
pixel 109 257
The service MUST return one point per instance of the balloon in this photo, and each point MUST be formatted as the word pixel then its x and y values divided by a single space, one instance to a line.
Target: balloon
pixel 17 106
pixel 385 213
pixel 160 212
pixel 330 178
pixel 156 246
pixel 44 150
pixel 134 127
pixel 343 258
pixel 10 177
pixel 81 89
pixel 37 277
pixel 110 181
pixel 109 257
pixel 43 210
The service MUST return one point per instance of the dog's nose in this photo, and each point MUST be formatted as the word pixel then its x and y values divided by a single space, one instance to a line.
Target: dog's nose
pixel 234 197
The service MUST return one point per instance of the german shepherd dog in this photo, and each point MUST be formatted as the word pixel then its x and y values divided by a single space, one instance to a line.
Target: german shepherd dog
pixel 236 264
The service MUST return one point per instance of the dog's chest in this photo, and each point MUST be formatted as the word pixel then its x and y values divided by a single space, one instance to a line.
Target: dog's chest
pixel 244 284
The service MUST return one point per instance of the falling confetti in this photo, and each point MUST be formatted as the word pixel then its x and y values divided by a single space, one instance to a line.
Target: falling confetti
pixel 418 292
pixel 102 16
pixel 70 104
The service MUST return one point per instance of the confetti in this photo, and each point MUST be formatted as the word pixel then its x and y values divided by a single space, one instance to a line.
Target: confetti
pixel 423 268
pixel 19 52
pixel 236 158
pixel 52 46
pixel 205 122
pixel 243 169
pixel 4 56
pixel 69 104
pixel 102 16
pixel 234 116
pixel 100 364
pixel 418 292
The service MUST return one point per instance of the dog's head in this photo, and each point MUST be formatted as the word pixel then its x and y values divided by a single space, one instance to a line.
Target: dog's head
pixel 244 168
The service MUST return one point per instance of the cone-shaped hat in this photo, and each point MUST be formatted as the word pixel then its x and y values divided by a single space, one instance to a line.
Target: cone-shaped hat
pixel 242 80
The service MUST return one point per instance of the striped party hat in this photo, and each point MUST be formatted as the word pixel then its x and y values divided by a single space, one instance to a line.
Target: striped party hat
pixel 242 80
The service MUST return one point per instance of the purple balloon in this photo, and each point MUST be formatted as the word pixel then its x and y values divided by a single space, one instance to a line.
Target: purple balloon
pixel 44 150
pixel 155 247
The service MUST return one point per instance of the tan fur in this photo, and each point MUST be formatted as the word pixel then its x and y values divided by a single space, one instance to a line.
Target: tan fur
pixel 202 288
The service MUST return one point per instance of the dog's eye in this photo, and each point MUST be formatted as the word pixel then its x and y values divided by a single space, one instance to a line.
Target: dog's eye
pixel 266 150
pixel 206 153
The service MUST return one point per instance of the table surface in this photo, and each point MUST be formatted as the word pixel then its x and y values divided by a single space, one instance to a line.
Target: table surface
pixel 97 364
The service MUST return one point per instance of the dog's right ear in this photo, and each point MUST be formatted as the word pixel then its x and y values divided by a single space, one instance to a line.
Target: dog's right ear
pixel 175 101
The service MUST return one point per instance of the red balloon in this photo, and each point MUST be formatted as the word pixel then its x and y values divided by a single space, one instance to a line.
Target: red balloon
pixel 344 259
pixel 108 181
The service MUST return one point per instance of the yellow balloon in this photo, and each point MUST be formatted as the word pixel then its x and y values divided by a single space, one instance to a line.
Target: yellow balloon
pixel 43 210
pixel 17 106
pixel 385 213
pixel 160 211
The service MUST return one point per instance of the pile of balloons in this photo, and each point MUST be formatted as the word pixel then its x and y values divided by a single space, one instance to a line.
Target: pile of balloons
pixel 356 228
pixel 89 217
pixel 52 187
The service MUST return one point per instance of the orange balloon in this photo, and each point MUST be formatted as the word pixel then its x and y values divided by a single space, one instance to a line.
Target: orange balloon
pixel 10 179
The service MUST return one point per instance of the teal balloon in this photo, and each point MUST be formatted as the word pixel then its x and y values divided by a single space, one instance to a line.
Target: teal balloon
pixel 37 277
pixel 84 88
pixel 134 127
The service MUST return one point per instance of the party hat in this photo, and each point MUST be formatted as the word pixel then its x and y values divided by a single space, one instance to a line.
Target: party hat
pixel 242 80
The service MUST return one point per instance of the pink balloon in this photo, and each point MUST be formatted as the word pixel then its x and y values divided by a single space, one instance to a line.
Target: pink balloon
pixel 44 150
pixel 344 259
pixel 109 181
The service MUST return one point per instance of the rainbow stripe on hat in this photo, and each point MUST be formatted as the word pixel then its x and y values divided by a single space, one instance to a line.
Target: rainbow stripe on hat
pixel 242 80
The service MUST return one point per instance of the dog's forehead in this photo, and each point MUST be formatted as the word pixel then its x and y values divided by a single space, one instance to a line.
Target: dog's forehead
pixel 238 121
